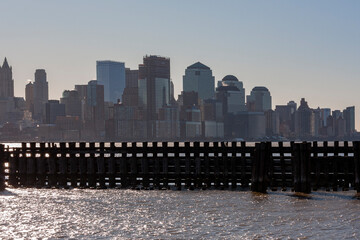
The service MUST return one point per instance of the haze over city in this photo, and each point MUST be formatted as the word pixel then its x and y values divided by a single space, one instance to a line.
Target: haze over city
pixel 296 49
pixel 155 119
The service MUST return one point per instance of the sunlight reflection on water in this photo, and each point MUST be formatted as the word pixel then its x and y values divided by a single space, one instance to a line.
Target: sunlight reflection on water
pixel 84 214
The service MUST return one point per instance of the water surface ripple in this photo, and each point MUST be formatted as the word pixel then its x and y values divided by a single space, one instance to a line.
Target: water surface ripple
pixel 123 214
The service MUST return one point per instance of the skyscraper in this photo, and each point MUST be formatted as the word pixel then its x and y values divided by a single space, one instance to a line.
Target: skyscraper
pixel 92 109
pixel 112 75
pixel 304 120
pixel 72 102
pixel 41 93
pixel 349 117
pixel 53 109
pixel 198 78
pixel 259 100
pixel 6 81
pixel 29 97
pixel 154 88
pixel 130 95
pixel 231 93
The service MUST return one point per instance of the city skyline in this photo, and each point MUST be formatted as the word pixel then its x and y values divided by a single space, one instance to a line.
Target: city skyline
pixel 272 106
pixel 295 49
pixel 150 111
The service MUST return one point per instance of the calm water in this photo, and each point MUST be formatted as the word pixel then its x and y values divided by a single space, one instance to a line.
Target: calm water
pixel 119 214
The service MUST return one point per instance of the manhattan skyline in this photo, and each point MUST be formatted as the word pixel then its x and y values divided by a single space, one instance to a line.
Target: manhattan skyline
pixel 296 49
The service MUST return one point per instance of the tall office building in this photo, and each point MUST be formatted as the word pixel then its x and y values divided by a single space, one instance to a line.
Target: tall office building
pixel 198 78
pixel 95 102
pixel 52 110
pixel 154 84
pixel 92 109
pixel 231 93
pixel 112 75
pixel 324 114
pixel 130 95
pixel 259 100
pixel 154 88
pixel 304 120
pixel 29 97
pixel 72 102
pixel 6 81
pixel 41 93
pixel 349 117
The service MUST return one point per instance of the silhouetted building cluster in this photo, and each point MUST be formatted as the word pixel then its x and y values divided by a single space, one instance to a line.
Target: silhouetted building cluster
pixel 139 105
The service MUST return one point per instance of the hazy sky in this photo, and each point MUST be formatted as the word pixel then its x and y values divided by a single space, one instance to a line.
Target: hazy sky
pixel 297 49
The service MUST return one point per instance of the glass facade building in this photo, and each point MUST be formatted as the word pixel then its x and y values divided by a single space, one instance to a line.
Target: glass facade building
pixel 111 75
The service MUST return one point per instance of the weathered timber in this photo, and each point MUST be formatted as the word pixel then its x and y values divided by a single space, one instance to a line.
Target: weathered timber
pixel 356 146
pixel 260 179
pixel 2 168
pixel 162 165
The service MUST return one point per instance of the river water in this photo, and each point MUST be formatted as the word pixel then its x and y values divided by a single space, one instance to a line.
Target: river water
pixel 212 214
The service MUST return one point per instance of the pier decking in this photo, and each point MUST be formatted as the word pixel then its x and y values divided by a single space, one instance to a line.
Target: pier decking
pixel 302 167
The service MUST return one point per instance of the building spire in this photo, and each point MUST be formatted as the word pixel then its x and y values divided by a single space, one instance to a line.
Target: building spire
pixel 5 64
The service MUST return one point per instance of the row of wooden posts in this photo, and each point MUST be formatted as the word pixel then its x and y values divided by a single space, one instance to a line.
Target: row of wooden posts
pixel 302 167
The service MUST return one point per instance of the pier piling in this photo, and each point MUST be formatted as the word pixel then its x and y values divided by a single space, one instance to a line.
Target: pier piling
pixel 303 167
pixel 2 168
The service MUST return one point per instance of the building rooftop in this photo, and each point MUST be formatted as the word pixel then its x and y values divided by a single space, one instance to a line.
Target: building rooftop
pixel 5 64
pixel 260 89
pixel 230 78
pixel 198 65
pixel 227 88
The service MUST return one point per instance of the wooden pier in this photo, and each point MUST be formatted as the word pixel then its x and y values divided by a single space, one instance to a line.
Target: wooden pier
pixel 301 167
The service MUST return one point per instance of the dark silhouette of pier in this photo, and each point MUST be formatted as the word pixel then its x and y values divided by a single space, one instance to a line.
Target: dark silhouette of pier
pixel 301 167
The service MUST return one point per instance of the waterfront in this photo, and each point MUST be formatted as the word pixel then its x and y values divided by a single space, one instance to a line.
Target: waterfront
pixel 86 214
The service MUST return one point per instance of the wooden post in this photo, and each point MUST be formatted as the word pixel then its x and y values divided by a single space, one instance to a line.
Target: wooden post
pixel 296 166
pixel 233 165
pixel 264 166
pixel 100 163
pixel 52 170
pixel 325 163
pixel 335 166
pixel 145 166
pixel 63 166
pixel 216 165
pixel 301 167
pixel 260 168
pixel 244 180
pixel 255 168
pixel 225 171
pixel 283 166
pixel 356 146
pixel 91 176
pixel 305 149
pixel 177 165
pixel 198 179
pixel 165 165
pixel 346 167
pixel 187 165
pixel 133 166
pixel 124 173
pixel 22 165
pixel 74 165
pixel 156 171
pixel 30 166
pixel 208 178
pixel 111 167
pixel 272 181
pixel 317 165
pixel 2 168
pixel 40 166
pixel 82 165
pixel 13 168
